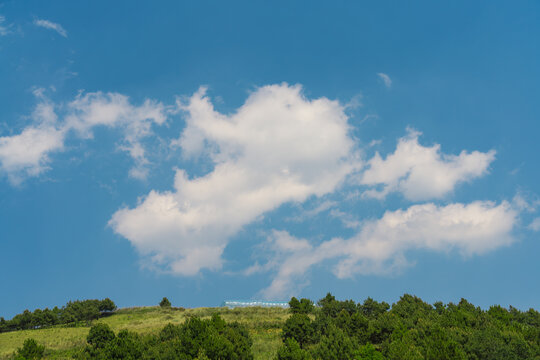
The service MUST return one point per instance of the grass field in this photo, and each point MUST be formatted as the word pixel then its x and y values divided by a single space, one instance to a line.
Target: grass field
pixel 264 325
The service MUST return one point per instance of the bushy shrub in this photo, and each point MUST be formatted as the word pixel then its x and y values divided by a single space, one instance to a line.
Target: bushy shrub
pixel 99 335
pixel 30 350
pixel 291 350
pixel 195 339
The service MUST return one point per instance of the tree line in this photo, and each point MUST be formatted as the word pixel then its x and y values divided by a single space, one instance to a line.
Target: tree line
pixel 408 330
pixel 71 313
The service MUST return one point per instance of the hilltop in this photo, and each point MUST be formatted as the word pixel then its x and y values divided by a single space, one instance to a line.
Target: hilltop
pixel 409 329
pixel 264 326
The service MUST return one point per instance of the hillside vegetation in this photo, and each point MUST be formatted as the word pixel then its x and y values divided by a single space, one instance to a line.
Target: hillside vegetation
pixel 410 329
pixel 62 342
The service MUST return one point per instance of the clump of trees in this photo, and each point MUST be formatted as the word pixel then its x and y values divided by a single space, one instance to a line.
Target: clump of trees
pixel 408 330
pixel 194 339
pixel 71 313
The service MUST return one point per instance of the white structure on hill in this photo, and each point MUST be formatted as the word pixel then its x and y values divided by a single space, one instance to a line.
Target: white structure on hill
pixel 231 304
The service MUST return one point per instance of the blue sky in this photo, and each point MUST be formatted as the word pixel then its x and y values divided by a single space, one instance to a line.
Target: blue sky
pixel 206 151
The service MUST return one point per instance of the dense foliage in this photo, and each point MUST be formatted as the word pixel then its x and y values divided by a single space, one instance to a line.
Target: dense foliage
pixel 165 303
pixel 409 330
pixel 30 350
pixel 72 312
pixel 194 339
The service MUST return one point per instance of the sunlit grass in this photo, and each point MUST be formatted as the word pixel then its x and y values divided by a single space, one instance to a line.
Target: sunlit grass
pixel 264 325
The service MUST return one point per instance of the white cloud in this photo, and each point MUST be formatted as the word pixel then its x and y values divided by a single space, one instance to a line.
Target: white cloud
pixel 276 148
pixel 346 219
pixel 114 110
pixel 322 207
pixel 535 224
pixel 3 29
pixel 525 202
pixel 51 26
pixel 386 79
pixel 420 172
pixel 27 154
pixel 381 245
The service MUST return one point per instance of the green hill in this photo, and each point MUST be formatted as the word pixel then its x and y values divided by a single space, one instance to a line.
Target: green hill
pixel 264 325
pixel 409 329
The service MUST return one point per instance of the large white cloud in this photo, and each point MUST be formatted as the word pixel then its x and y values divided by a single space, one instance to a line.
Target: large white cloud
pixel 381 245
pixel 421 172
pixel 277 147
pixel 28 153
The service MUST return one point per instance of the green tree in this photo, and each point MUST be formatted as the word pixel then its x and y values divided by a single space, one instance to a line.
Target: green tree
pixel 99 335
pixel 30 350
pixel 304 306
pixel 165 303
pixel 299 328
pixel 336 346
pixel 368 352
pixel 107 305
pixel 291 350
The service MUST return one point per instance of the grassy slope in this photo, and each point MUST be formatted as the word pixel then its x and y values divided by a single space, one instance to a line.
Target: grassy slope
pixel 264 325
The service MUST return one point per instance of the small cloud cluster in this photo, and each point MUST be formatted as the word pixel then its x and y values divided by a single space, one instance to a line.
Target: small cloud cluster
pixel 51 26
pixel 419 172
pixel 27 154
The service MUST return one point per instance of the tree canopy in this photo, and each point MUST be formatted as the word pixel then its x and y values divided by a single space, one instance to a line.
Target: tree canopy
pixel 409 329
pixel 72 312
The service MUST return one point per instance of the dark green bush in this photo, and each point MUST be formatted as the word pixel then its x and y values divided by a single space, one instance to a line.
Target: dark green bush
pixel 195 339
pixel 292 351
pixel 30 350
pixel 99 335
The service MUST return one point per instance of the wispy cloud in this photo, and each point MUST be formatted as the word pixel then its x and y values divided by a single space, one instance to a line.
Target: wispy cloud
pixel 535 224
pixel 381 245
pixel 3 28
pixel 27 154
pixel 386 79
pixel 51 26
